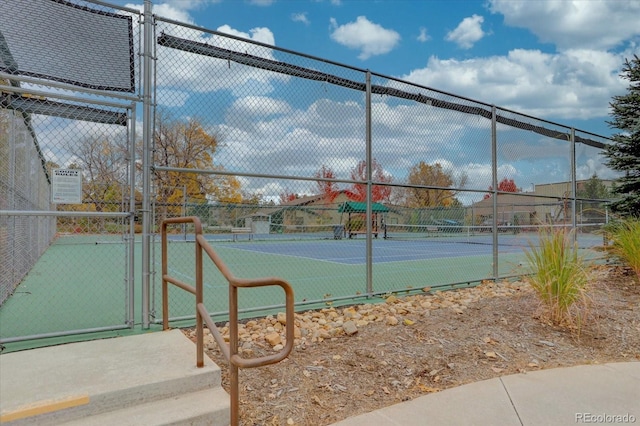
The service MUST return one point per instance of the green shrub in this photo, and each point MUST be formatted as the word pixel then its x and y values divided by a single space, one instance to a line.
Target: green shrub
pixel 558 277
pixel 625 238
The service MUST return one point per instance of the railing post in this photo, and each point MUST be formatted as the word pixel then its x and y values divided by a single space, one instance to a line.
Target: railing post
pixel 234 385
pixel 165 271
pixel 199 300
pixel 230 351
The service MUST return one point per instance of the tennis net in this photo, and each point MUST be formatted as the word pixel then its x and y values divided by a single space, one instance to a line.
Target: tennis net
pixel 322 231
pixel 587 235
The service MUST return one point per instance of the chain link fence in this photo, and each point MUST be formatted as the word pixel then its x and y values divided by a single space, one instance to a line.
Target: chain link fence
pixel 24 186
pixel 347 183
pixel 67 102
pixel 304 137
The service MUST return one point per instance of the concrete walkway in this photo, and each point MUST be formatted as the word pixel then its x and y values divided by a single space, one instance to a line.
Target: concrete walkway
pixel 588 394
pixel 148 379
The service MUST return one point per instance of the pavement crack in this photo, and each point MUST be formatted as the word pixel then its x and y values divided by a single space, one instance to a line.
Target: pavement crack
pixel 511 401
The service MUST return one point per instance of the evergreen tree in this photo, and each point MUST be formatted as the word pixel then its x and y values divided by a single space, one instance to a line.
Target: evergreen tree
pixel 624 153
pixel 594 189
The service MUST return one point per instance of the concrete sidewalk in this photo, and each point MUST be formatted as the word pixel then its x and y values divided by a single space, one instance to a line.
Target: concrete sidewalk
pixel 596 394
pixel 142 380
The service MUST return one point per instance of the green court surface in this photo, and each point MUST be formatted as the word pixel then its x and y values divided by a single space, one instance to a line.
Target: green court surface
pixel 80 283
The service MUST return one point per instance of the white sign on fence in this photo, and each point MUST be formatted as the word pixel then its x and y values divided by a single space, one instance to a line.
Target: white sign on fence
pixel 67 186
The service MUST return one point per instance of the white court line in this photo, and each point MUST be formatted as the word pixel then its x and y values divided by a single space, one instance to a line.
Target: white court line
pixel 186 277
pixel 296 256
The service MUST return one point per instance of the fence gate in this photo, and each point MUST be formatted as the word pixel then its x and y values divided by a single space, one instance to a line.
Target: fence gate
pixel 67 176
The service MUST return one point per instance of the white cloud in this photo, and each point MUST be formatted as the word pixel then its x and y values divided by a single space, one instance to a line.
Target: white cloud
pixel 593 24
pixel 261 34
pixel 207 74
pixel 292 142
pixel 479 174
pixel 260 106
pixel 423 36
pixel 300 17
pixel 172 98
pixel 370 38
pixel 263 134
pixel 571 84
pixel 176 11
pixel 592 166
pixel 262 2
pixel 190 4
pixel 468 32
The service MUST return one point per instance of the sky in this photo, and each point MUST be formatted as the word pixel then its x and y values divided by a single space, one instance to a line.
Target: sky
pixel 555 59
pixel 558 60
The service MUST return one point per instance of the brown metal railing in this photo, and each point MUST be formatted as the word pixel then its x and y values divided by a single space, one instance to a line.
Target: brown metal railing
pixel 230 350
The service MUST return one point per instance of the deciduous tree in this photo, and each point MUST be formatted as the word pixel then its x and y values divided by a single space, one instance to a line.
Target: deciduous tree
pixel 287 196
pixel 505 185
pixel 432 175
pixel 102 158
pixel 103 161
pixel 358 191
pixel 328 190
pixel 188 145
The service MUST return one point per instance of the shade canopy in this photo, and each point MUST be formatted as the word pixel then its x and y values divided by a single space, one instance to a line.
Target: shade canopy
pixel 361 207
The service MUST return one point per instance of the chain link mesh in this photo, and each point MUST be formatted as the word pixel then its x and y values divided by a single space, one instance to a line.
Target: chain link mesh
pixel 277 153
pixel 67 262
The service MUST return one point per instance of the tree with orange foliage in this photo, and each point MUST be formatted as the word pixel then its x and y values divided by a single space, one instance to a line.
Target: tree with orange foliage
pixel 505 185
pixel 358 191
pixel 328 189
pixel 287 196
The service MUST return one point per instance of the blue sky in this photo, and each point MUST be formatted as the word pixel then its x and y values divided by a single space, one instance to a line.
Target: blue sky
pixel 555 59
pixel 558 60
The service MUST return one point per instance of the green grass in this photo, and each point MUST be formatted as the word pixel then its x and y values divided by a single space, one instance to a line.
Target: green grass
pixel 559 277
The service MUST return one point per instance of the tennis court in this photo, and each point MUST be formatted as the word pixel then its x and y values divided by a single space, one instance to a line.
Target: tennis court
pixel 73 291
pixel 323 268
pixel 352 252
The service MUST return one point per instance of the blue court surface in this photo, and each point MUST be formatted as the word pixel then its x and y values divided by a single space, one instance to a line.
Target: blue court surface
pixel 396 248
pixel 353 252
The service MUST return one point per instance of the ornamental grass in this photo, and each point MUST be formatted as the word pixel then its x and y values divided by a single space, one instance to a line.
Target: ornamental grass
pixel 625 242
pixel 559 278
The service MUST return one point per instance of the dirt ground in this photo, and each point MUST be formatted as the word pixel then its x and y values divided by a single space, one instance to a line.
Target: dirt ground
pixel 352 360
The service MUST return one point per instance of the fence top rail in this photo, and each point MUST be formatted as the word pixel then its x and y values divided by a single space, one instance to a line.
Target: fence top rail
pixel 481 108
pixel 62 213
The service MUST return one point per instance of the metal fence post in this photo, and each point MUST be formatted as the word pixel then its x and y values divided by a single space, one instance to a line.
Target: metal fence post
pixel 573 182
pixel 132 221
pixel 147 128
pixel 494 183
pixel 369 215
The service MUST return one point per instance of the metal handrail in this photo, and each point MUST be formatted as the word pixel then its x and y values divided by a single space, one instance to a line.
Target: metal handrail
pixel 230 350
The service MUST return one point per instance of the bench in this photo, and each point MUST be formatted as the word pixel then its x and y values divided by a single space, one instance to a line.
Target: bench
pixel 241 230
